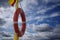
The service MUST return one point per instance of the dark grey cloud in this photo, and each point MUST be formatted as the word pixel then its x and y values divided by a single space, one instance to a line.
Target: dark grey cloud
pixel 44 29
pixel 40 28
pixel 1 29
pixel 5 34
pixel 56 33
pixel 44 35
pixel 2 21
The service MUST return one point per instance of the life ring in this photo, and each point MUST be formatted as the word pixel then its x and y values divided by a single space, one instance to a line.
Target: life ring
pixel 15 19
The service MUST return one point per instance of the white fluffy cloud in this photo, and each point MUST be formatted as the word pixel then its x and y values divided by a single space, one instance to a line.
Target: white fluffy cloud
pixel 55 14
pixel 39 28
pixel 55 34
pixel 6 12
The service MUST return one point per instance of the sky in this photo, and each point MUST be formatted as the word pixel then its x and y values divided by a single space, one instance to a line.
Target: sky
pixel 42 19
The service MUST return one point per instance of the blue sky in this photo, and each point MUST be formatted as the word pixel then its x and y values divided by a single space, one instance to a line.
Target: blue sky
pixel 42 16
pixel 48 12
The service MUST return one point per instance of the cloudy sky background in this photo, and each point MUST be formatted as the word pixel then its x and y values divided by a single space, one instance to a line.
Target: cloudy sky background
pixel 42 19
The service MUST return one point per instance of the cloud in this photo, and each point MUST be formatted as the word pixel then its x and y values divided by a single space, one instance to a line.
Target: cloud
pixel 36 36
pixel 42 35
pixel 55 14
pixel 6 12
pixel 43 27
pixel 6 16
pixel 53 35
pixel 56 33
pixel 54 1
pixel 42 9
pixel 37 12
pixel 40 28
pixel 6 34
pixel 2 22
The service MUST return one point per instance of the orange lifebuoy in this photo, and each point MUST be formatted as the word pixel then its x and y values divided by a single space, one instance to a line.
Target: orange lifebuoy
pixel 15 19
